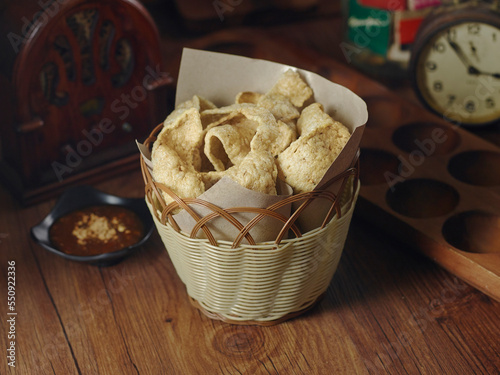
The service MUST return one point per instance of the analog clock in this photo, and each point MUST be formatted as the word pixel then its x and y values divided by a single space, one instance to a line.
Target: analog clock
pixel 455 64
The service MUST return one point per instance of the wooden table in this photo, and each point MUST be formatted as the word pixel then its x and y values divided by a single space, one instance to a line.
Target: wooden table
pixel 387 310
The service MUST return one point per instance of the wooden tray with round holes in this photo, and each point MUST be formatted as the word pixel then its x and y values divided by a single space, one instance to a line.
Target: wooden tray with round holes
pixel 432 185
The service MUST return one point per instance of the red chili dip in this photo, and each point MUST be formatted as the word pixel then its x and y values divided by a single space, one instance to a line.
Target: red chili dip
pixel 96 230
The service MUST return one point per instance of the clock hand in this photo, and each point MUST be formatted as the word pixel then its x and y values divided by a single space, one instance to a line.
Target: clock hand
pixel 471 69
pixel 474 50
pixel 462 56
pixel 494 75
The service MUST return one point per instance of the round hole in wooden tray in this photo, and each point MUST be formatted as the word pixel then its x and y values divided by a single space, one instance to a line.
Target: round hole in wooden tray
pixel 374 164
pixel 430 138
pixel 473 231
pixel 480 168
pixel 422 198
pixel 383 112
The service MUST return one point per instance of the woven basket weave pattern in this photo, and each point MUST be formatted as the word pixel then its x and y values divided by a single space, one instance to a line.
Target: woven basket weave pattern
pixel 262 282
pixel 247 282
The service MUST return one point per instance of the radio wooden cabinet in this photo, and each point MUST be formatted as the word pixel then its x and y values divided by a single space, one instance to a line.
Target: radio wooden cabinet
pixel 80 81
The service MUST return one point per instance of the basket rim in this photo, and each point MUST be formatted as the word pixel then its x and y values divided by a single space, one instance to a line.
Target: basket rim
pixel 154 190
pixel 228 245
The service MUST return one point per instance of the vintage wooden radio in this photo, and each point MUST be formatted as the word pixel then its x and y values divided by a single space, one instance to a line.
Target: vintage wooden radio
pixel 80 81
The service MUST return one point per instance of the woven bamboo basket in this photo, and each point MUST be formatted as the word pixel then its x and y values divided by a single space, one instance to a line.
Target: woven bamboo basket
pixel 254 283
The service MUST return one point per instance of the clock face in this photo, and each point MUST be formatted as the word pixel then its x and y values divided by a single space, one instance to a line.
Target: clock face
pixel 458 73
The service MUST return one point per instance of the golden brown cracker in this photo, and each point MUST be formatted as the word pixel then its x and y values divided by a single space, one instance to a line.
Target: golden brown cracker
pixel 256 172
pixel 292 86
pixel 198 102
pixel 247 97
pixel 227 145
pixel 171 170
pixel 303 164
pixel 182 132
pixel 313 116
pixel 280 106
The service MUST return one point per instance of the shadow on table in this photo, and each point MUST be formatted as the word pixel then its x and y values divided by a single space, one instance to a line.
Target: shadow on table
pixel 377 268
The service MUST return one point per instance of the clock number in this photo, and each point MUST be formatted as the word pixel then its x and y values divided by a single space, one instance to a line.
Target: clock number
pixel 473 29
pixel 431 65
pixel 470 106
pixel 490 103
pixel 494 36
pixel 451 99
pixel 438 86
pixel 439 47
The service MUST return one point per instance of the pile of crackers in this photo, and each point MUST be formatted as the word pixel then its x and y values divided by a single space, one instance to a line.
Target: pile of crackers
pixel 282 134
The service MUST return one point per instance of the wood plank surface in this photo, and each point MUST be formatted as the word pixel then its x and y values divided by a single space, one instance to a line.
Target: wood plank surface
pixel 388 310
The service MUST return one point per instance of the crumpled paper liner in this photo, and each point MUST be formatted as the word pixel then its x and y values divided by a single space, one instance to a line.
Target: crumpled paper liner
pixel 219 77
pixel 228 194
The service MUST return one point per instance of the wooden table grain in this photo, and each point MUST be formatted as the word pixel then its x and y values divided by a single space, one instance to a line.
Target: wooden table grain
pixel 388 309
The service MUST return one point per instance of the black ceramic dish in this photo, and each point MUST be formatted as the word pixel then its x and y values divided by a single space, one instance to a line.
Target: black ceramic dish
pixel 84 196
